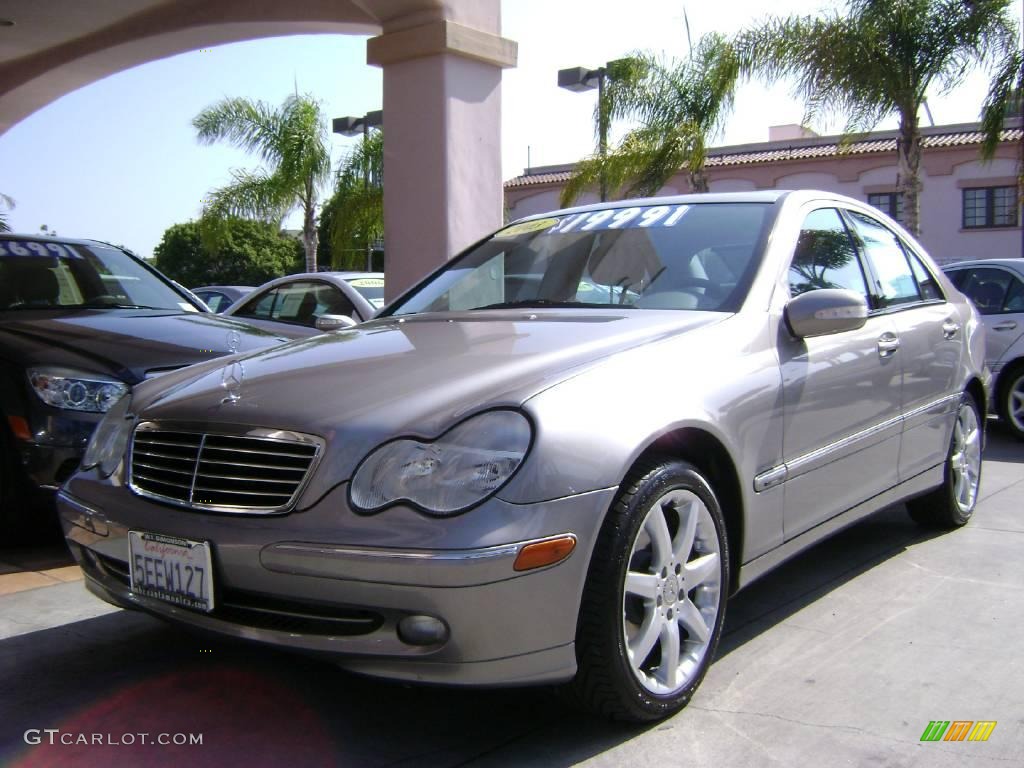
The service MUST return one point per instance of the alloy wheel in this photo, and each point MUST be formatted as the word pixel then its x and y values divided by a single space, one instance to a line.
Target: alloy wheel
pixel 671 592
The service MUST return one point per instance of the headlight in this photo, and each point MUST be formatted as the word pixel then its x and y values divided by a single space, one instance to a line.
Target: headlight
pixel 74 390
pixel 459 469
pixel 110 438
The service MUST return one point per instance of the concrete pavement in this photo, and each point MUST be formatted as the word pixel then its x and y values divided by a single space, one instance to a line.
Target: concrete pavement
pixel 841 657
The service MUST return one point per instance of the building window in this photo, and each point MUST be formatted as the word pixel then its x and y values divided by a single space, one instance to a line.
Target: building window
pixel 990 207
pixel 889 203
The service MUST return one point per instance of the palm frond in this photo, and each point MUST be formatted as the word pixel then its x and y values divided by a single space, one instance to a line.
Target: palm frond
pixel 8 201
pixel 250 125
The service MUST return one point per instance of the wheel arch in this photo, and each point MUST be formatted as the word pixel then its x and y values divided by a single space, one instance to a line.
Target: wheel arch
pixel 709 455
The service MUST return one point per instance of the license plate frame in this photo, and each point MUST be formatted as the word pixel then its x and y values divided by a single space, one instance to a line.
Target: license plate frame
pixel 172 569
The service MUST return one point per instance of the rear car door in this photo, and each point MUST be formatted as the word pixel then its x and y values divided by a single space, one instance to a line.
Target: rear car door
pixel 841 392
pixel 929 336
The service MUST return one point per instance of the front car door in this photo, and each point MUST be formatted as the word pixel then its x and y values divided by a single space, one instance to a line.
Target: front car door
pixel 841 392
pixel 930 341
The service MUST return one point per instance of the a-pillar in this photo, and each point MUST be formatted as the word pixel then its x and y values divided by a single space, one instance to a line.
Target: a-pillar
pixel 442 135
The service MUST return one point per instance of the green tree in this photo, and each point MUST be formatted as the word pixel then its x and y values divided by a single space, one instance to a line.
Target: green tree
pixel 881 58
pixel 1003 100
pixel 7 201
pixel 681 106
pixel 248 253
pixel 292 142
pixel 352 219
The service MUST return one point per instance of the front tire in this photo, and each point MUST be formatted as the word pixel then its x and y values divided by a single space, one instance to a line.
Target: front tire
pixel 952 503
pixel 1011 400
pixel 654 600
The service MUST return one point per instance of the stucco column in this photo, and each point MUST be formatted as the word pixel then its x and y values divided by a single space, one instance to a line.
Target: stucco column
pixel 442 137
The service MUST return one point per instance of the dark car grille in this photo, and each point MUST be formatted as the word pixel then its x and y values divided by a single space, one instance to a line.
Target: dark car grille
pixel 221 472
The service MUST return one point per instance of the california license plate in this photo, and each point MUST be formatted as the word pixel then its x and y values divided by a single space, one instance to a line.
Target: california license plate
pixel 175 570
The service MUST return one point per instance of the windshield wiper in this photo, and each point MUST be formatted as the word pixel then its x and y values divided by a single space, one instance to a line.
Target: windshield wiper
pixel 109 305
pixel 542 303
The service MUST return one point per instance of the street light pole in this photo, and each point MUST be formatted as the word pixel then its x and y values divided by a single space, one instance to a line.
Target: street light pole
pixel 351 126
pixel 582 79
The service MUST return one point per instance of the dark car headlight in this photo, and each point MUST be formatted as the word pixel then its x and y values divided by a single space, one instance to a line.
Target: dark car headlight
pixel 109 439
pixel 75 390
pixel 449 474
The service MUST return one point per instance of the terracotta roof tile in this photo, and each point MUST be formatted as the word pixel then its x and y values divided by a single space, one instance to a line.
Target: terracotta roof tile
pixel 725 158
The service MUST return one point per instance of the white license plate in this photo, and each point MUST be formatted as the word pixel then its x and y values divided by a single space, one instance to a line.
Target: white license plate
pixel 175 570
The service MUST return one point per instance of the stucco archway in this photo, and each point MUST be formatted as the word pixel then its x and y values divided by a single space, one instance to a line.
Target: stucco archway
pixel 442 66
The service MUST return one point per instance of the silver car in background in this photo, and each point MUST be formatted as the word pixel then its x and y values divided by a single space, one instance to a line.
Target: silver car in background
pixel 553 459
pixel 996 286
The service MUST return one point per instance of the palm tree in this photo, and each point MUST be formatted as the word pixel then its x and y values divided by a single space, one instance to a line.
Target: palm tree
pixel 681 107
pixel 881 58
pixel 353 218
pixel 1003 100
pixel 8 201
pixel 291 140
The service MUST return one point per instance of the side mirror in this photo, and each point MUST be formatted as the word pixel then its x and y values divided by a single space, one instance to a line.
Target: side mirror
pixel 334 322
pixel 825 311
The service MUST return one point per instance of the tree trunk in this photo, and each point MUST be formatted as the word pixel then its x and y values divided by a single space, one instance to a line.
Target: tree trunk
pixel 309 233
pixel 698 181
pixel 908 150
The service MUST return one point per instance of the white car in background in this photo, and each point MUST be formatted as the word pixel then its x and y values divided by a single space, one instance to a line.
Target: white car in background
pixel 996 286
pixel 295 304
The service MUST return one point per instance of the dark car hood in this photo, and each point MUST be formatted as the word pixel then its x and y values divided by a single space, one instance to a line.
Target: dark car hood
pixel 387 377
pixel 126 343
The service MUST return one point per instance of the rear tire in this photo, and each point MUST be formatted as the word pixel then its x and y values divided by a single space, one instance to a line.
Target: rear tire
pixel 654 600
pixel 1011 400
pixel 952 503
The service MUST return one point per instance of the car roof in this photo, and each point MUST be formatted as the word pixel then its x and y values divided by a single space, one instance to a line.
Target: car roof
pixel 1015 264
pixel 57 239
pixel 224 288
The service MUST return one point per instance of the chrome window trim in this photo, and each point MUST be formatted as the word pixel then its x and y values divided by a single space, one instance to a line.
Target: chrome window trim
pixel 226 430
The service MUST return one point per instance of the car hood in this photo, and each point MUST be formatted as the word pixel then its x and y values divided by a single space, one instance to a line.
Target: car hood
pixel 389 377
pixel 126 343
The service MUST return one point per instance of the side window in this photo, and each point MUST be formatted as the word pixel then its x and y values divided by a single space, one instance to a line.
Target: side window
pixel 988 288
pixel 930 290
pixel 331 301
pixel 825 256
pixel 1014 297
pixel 259 307
pixel 894 281
pixel 296 303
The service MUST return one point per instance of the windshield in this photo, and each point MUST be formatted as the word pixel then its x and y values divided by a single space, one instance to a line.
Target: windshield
pixel 48 275
pixel 370 288
pixel 697 257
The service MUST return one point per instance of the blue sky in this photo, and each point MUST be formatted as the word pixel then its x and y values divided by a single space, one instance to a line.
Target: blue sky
pixel 117 160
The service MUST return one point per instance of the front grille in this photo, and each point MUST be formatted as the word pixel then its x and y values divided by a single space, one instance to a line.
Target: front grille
pixel 221 472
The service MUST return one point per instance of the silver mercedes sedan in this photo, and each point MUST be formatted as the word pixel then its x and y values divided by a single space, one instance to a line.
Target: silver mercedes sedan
pixel 553 459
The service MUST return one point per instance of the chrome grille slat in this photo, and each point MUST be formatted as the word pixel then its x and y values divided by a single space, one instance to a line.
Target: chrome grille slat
pixel 211 476
pixel 220 471
pixel 243 467
pixel 261 453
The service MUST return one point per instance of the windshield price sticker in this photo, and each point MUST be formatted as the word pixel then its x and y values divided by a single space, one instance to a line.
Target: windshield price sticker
pixel 367 282
pixel 32 248
pixel 174 570
pixel 620 218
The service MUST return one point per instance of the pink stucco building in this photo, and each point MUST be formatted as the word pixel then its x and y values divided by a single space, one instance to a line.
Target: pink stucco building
pixel 969 208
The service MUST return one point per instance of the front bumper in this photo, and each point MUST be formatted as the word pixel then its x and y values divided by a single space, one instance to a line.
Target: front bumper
pixel 329 582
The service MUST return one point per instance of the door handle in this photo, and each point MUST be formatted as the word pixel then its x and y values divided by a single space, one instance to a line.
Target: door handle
pixel 888 343
pixel 1008 325
pixel 949 329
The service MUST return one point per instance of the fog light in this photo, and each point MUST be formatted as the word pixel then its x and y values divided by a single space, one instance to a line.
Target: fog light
pixel 422 630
